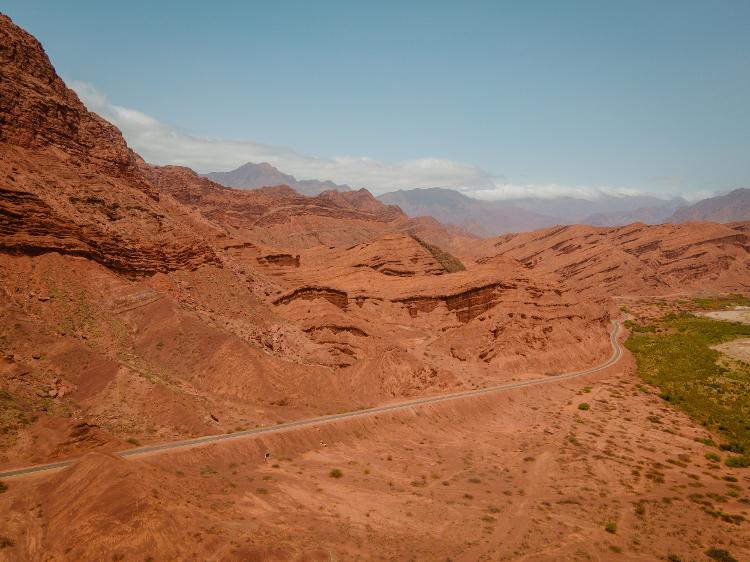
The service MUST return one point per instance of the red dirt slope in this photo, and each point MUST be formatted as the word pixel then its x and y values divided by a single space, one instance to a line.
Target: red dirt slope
pixel 637 259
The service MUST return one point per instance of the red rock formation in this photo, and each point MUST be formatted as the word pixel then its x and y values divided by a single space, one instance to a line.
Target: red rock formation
pixel 70 182
pixel 637 259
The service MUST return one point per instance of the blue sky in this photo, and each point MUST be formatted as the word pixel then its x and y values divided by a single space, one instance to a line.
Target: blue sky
pixel 494 98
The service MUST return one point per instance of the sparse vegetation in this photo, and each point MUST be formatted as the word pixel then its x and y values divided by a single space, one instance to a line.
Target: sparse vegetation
pixel 13 414
pixel 720 555
pixel 678 359
pixel 5 542
pixel 133 441
pixel 336 473
pixel 584 406
pixel 450 263
pixel 738 461
pixel 3 487
pixel 610 527
pixel 720 303
pixel 640 509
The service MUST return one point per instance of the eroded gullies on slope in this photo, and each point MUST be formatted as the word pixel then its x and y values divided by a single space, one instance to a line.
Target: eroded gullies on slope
pixel 144 304
pixel 544 481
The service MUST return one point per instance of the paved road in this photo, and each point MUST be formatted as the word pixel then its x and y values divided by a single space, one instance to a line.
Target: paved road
pixel 185 443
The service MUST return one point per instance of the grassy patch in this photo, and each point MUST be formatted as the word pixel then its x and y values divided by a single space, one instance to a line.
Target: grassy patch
pixel 720 303
pixel 450 263
pixel 739 461
pixel 713 457
pixel 13 414
pixel 678 359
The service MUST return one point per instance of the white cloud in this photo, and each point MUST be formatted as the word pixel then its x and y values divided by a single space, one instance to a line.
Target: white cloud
pixel 160 143
pixel 509 190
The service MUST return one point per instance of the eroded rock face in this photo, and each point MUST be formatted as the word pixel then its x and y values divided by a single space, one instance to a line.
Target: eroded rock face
pixel 637 259
pixel 69 182
pixel 335 297
pixel 467 304
pixel 39 112
pixel 244 307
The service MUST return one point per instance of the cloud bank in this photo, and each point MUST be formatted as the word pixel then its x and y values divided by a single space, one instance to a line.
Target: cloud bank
pixel 160 143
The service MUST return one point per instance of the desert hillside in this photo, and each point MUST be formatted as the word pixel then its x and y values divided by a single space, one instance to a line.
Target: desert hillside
pixel 637 259
pixel 144 305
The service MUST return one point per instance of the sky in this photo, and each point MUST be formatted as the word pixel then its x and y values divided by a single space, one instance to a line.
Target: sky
pixel 494 98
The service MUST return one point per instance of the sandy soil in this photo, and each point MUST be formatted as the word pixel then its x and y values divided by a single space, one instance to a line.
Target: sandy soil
pixel 739 314
pixel 737 349
pixel 523 476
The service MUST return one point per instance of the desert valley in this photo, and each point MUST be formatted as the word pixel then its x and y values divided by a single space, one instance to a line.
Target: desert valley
pixel 144 305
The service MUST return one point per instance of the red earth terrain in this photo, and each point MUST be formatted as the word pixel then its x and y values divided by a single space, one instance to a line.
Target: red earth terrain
pixel 142 304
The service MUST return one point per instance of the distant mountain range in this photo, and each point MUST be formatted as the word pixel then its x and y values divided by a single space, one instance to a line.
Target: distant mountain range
pixel 579 210
pixel 253 176
pixel 484 218
pixel 734 206
pixel 492 218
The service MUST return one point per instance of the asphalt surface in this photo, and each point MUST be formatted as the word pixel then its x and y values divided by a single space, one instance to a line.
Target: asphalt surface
pixel 186 443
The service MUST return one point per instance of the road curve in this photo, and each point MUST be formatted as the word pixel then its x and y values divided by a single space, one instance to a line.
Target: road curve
pixel 197 441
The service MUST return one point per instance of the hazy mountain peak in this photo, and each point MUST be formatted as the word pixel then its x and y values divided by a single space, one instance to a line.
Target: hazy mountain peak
pixel 253 176
pixel 733 206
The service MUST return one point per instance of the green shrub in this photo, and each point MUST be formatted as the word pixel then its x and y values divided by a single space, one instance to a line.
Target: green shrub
pixel 713 457
pixel 732 447
pixel 610 527
pixel 336 473
pixel 584 406
pixel 739 461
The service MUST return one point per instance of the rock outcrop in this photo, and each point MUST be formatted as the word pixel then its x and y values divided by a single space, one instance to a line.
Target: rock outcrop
pixel 69 182
pixel 637 259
